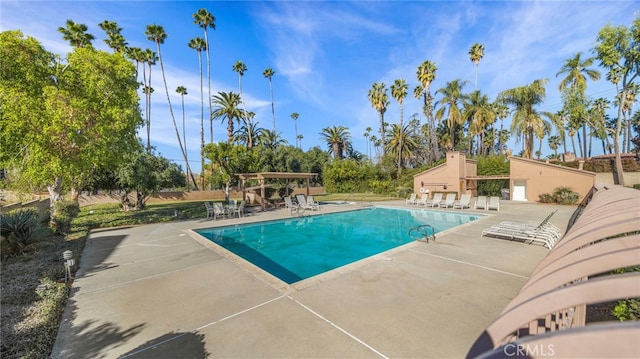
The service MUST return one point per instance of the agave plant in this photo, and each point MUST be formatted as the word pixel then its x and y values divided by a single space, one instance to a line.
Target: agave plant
pixel 21 228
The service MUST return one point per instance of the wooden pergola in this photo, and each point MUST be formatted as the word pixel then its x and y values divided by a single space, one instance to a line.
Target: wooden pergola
pixel 262 176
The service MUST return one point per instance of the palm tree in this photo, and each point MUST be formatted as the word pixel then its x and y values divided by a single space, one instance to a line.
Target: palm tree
pixel 575 69
pixel 379 100
pixel 452 96
pixel 226 107
pixel 399 91
pixel 148 58
pixel 240 68
pixel 554 143
pixel 268 73
pixel 247 133
pixel 299 140
pixel 205 20
pixel 476 53
pixel 181 90
pixel 525 117
pixel 426 74
pixel 479 113
pixel 157 34
pixel 400 143
pixel 598 120
pixel 295 116
pixel 114 39
pixel 366 135
pixel 76 34
pixel 199 44
pixel 271 139
pixel 542 129
pixel 337 138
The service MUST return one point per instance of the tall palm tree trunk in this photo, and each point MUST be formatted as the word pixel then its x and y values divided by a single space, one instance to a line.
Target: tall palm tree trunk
pixel 173 118
pixel 202 122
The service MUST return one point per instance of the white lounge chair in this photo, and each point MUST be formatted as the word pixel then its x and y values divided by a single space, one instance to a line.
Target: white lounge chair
pixel 449 200
pixel 481 203
pixel 494 203
pixel 412 199
pixel 209 208
pixel 435 202
pixel 304 204
pixel 313 202
pixel 423 200
pixel 544 233
pixel 293 207
pixel 464 201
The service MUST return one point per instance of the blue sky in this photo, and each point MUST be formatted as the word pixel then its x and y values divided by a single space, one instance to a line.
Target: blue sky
pixel 328 54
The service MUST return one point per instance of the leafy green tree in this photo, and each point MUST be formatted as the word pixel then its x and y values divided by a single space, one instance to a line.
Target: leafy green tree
pixel 270 139
pixel 247 133
pixel 228 160
pixel 380 101
pixel 618 49
pixel 62 122
pixel 226 107
pixel 479 113
pixel 268 74
pixel 525 117
pixel 495 165
pixel 146 173
pixel 76 34
pixel 476 53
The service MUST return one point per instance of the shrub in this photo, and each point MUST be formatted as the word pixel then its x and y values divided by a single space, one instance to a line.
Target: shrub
pixel 494 165
pixel 565 195
pixel 560 195
pixel 66 211
pixel 20 229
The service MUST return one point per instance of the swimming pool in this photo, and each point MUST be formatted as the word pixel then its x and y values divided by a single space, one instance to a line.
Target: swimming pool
pixel 298 248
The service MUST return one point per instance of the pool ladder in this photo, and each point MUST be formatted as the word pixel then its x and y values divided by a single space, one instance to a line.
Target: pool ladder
pixel 425 233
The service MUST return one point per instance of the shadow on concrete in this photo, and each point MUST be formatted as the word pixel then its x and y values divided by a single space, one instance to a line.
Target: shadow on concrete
pixel 171 345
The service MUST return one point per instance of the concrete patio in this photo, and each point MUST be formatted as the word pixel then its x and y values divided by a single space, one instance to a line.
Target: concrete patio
pixel 159 291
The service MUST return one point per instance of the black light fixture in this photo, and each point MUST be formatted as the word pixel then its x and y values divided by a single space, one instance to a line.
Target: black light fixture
pixel 421 184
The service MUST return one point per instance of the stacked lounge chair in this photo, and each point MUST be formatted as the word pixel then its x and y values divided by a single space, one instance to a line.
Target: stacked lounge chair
pixel 544 233
pixel 412 199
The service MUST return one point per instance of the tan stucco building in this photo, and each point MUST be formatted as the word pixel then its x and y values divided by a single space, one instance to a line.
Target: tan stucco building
pixel 527 178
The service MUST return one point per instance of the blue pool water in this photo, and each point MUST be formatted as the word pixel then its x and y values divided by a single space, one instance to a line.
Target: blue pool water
pixel 302 247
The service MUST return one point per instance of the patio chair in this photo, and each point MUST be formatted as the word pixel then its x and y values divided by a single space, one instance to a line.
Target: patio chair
pixel 463 202
pixel 311 201
pixel 219 210
pixel 435 202
pixel 412 199
pixel 449 200
pixel 481 203
pixel 494 203
pixel 293 207
pixel 209 208
pixel 423 200
pixel 239 210
pixel 544 224
pixel 302 201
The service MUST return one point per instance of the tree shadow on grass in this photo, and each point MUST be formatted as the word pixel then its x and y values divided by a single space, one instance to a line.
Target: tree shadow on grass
pixel 171 345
